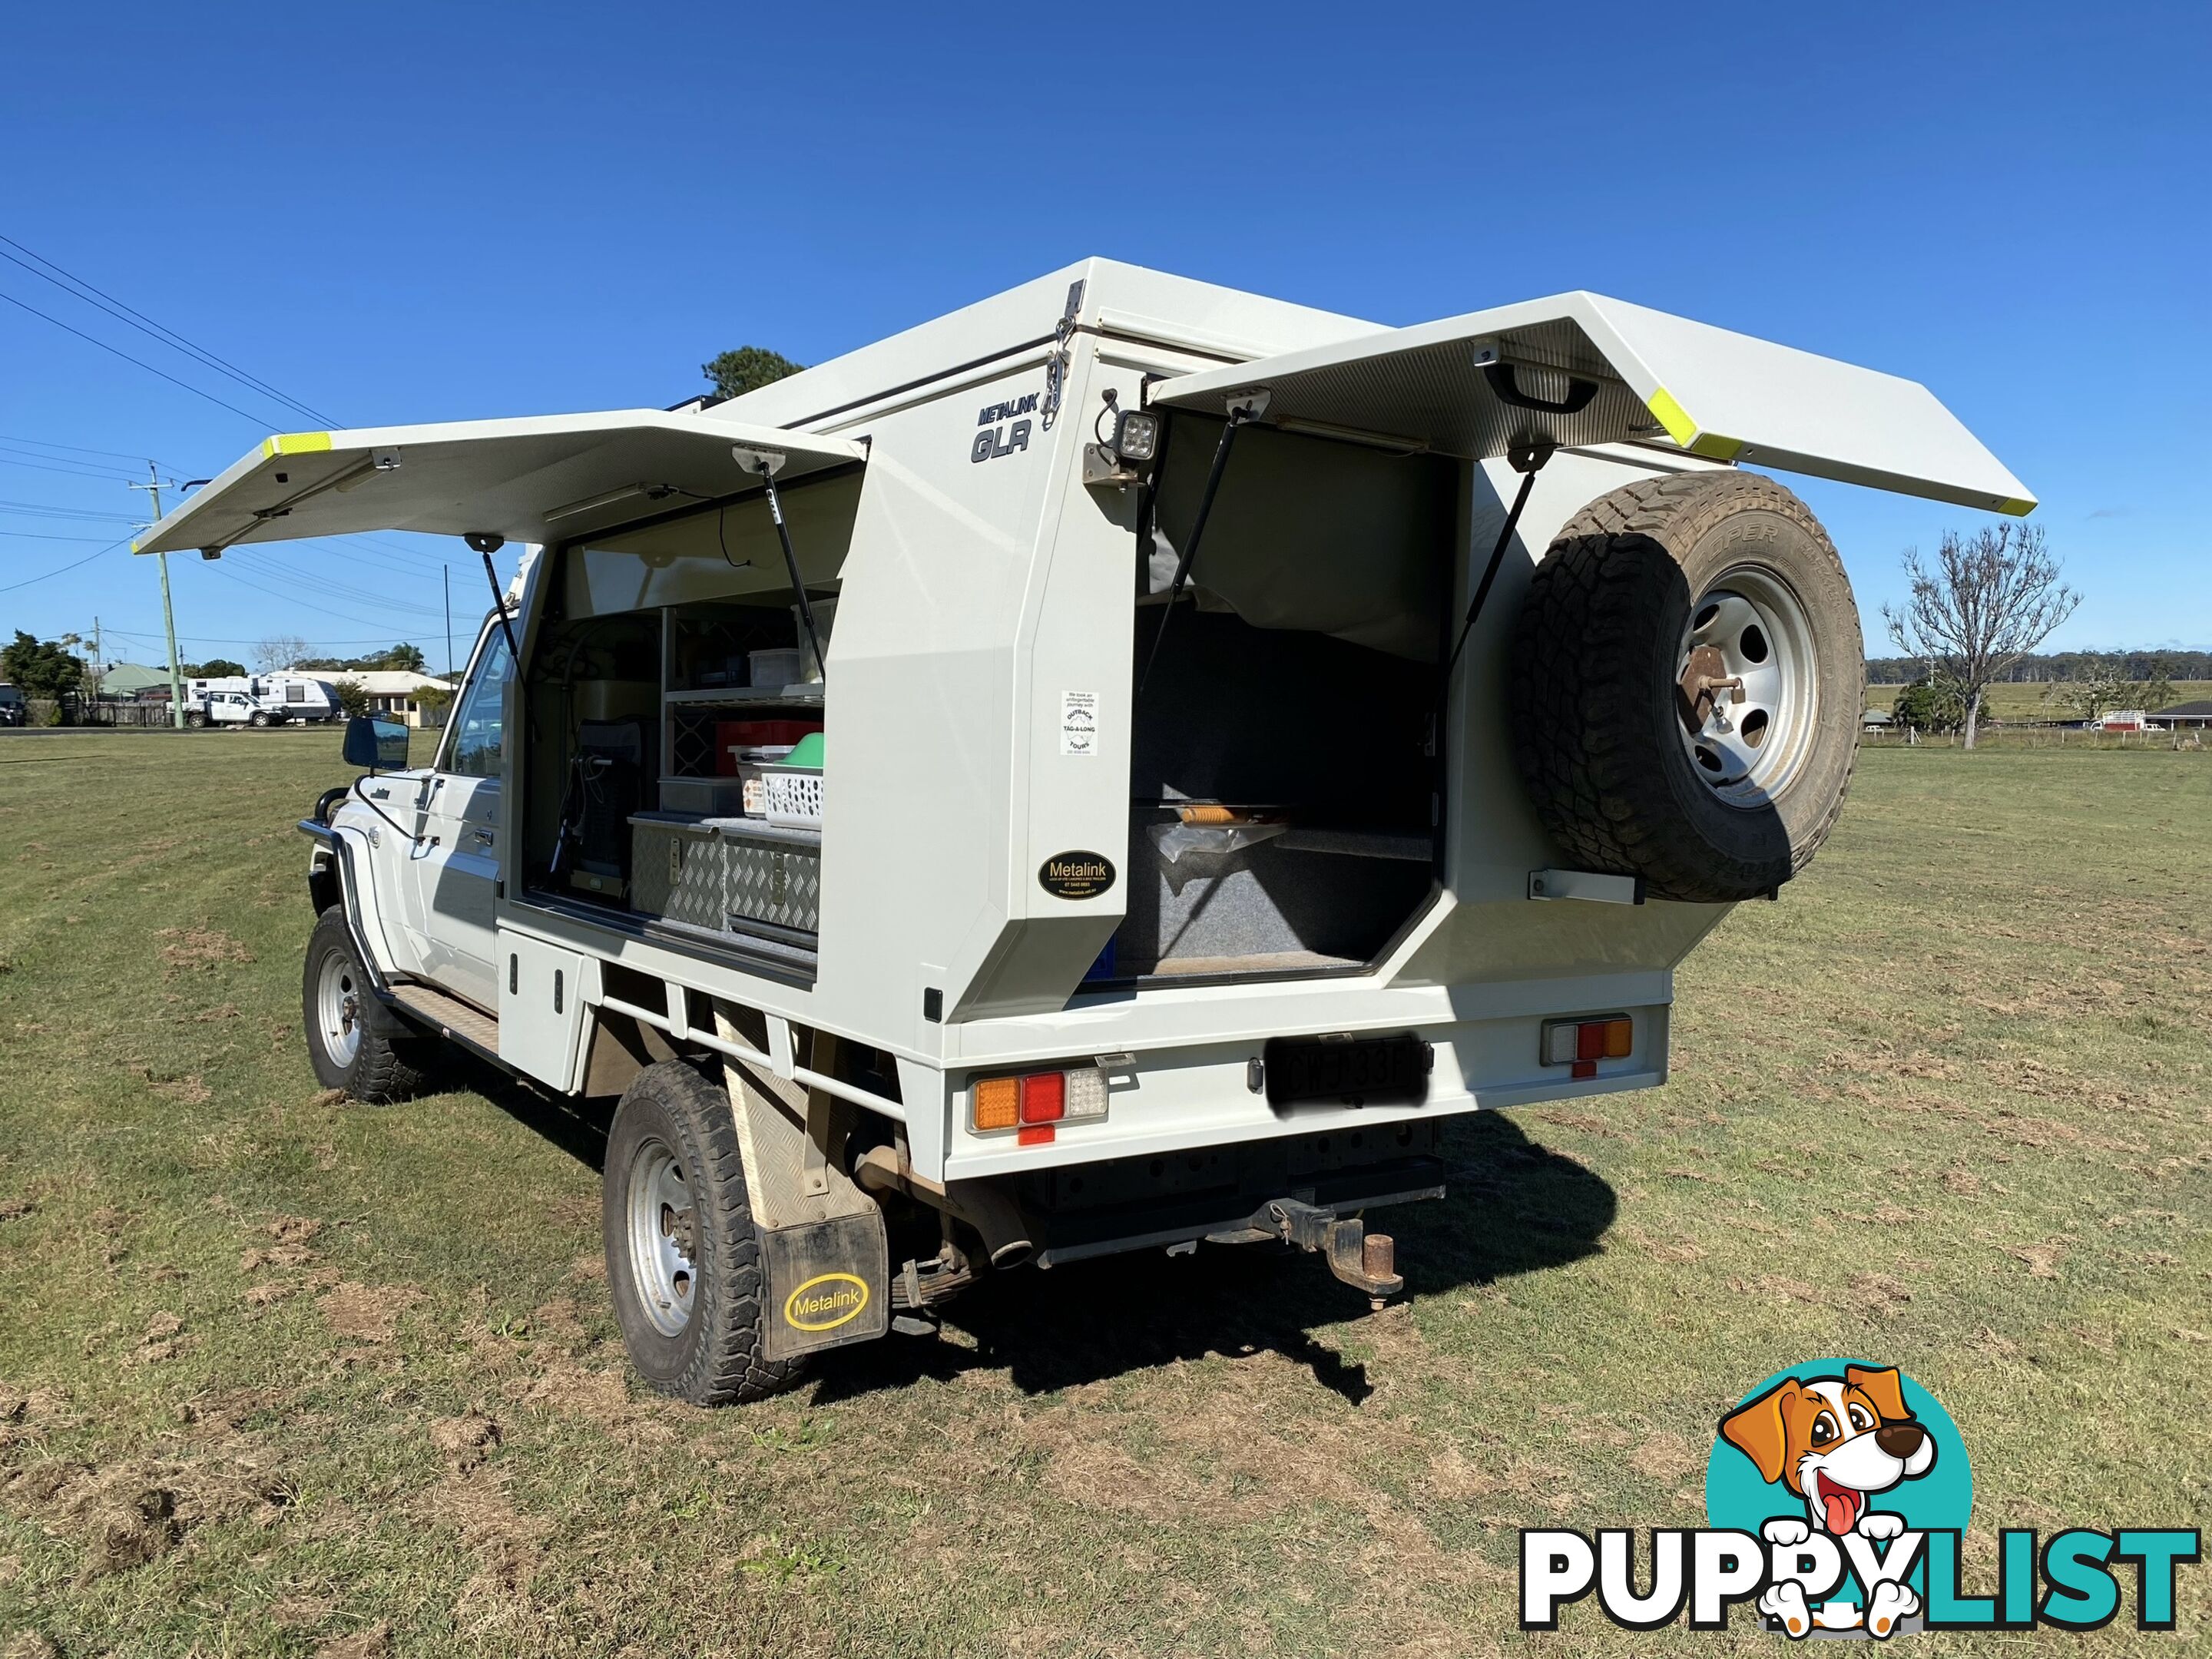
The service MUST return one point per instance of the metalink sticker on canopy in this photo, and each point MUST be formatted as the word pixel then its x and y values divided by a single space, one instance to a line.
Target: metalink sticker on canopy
pixel 1076 875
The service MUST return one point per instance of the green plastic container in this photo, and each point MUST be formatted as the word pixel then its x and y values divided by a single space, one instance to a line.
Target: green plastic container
pixel 807 756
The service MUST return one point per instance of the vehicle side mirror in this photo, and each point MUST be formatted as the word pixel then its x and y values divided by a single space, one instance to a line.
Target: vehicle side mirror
pixel 375 744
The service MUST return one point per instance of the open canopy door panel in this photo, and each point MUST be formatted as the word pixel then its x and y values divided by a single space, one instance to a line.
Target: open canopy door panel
pixel 1580 368
pixel 541 478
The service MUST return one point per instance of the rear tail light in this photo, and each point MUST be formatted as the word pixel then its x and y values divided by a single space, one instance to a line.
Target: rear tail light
pixel 1581 1043
pixel 1034 1103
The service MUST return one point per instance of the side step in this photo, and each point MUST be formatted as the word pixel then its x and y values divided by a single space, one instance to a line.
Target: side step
pixel 449 1017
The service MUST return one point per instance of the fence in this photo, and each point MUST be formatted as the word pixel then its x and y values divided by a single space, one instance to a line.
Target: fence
pixel 2014 735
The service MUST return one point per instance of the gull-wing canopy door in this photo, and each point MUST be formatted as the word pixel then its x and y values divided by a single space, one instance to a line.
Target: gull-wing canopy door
pixel 541 478
pixel 1579 368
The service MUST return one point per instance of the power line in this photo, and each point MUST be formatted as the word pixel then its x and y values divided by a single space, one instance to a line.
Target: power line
pixel 258 420
pixel 66 569
pixel 48 510
pixel 272 570
pixel 227 638
pixel 48 463
pixel 48 443
pixel 41 536
pixel 154 331
pixel 289 599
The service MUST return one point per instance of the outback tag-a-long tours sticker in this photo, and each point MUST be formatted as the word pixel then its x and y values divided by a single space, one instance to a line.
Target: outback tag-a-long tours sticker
pixel 1839 1493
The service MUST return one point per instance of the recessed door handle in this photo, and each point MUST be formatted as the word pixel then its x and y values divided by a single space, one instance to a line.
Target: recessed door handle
pixel 484 836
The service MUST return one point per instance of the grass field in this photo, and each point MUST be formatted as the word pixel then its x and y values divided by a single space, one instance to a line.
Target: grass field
pixel 285 1374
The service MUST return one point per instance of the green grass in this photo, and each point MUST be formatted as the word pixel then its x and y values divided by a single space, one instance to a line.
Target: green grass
pixel 1945 1105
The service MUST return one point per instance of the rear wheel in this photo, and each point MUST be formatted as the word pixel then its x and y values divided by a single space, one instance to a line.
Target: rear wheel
pixel 683 1263
pixel 353 1041
pixel 1687 684
pixel 194 717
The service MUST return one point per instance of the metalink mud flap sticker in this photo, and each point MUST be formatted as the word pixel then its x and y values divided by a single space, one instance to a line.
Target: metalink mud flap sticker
pixel 1076 875
pixel 828 1284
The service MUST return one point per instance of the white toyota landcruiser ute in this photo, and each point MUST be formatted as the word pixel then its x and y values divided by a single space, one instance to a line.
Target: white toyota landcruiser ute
pixel 1117 767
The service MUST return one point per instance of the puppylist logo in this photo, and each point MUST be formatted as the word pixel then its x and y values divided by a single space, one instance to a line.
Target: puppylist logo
pixel 1839 1493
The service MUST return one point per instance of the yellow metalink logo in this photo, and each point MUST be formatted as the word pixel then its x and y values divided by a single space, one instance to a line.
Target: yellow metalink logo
pixel 825 1302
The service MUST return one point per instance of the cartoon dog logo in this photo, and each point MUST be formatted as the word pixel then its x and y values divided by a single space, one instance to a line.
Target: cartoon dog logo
pixel 1835 1443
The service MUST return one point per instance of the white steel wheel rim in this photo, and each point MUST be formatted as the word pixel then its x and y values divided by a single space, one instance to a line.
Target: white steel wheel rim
pixel 663 1237
pixel 1749 628
pixel 337 1008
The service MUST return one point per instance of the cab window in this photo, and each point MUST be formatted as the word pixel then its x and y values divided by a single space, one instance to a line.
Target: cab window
pixel 474 743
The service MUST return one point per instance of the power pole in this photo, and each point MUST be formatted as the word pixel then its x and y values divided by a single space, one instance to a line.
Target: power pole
pixel 448 571
pixel 153 488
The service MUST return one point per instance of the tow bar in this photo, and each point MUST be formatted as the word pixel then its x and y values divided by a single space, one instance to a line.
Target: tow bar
pixel 1366 1262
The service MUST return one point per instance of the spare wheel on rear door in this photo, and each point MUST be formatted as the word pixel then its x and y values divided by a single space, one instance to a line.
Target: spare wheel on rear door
pixel 1687 685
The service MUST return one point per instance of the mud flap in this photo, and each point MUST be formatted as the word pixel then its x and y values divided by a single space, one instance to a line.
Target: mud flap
pixel 822 1244
pixel 828 1284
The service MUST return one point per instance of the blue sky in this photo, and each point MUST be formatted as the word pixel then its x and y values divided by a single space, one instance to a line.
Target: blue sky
pixel 406 213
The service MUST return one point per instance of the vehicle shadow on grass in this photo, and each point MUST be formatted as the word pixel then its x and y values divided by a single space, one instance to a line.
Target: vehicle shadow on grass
pixel 1511 1206
pixel 577 1125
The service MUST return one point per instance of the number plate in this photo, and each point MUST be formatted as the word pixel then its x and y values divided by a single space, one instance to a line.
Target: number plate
pixel 1348 1071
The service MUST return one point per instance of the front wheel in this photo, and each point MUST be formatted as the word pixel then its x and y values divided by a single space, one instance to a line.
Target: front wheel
pixel 684 1260
pixel 353 1041
pixel 258 718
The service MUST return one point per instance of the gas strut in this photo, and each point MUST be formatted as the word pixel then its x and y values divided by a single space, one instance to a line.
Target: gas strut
pixel 1243 407
pixel 489 541
pixel 1528 459
pixel 765 462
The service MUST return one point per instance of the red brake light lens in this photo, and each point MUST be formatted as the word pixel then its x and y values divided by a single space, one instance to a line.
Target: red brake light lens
pixel 1044 1097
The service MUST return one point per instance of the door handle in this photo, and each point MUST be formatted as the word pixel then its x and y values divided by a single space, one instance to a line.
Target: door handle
pixel 483 837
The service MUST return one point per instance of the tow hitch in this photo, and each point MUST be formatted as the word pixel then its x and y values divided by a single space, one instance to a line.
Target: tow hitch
pixel 1364 1260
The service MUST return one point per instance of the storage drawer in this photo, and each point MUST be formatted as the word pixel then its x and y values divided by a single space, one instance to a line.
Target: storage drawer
pixel 722 873
pixel 676 872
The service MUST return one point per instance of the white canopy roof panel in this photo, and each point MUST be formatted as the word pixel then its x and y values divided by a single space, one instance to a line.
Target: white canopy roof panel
pixel 540 479
pixel 1579 368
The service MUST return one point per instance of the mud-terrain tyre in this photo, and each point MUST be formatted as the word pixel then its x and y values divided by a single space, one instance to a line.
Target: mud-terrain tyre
pixel 683 1263
pixel 1636 765
pixel 353 1041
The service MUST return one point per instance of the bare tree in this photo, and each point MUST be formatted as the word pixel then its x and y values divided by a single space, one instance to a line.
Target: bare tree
pixel 1990 599
pixel 281 651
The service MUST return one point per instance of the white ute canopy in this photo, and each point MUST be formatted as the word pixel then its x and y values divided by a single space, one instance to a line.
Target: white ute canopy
pixel 537 479
pixel 1579 370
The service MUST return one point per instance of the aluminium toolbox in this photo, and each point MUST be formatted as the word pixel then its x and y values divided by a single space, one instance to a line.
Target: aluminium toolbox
pixel 727 875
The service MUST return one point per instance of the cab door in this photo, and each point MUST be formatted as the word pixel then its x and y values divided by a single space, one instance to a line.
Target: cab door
pixel 455 866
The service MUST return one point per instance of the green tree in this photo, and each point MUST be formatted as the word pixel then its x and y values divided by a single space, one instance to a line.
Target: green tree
pixel 748 369
pixel 214 668
pixel 403 655
pixel 353 697
pixel 1934 703
pixel 40 668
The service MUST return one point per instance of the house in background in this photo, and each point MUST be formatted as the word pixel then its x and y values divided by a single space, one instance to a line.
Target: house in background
pixel 394 692
pixel 126 681
pixel 2193 716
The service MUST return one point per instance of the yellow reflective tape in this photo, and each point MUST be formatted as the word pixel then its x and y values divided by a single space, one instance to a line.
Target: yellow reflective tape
pixel 2016 509
pixel 1713 446
pixel 297 443
pixel 268 447
pixel 1672 415
pixel 134 544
